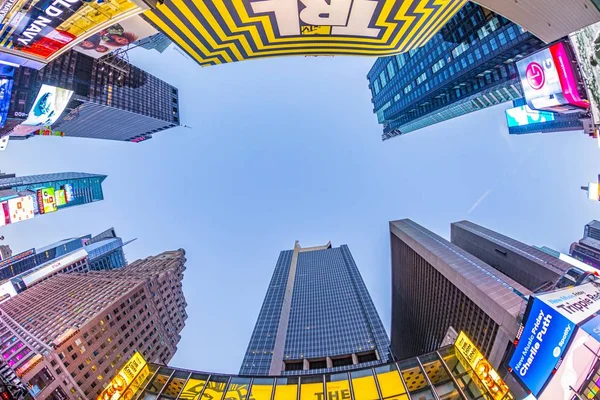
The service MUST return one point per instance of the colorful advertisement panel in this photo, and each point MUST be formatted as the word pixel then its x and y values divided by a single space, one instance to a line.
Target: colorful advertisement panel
pixel 46 200
pixel 61 197
pixel 523 115
pixel 549 81
pixel 118 386
pixel 492 382
pixel 6 85
pixel 244 29
pixel 115 37
pixel 41 28
pixel 541 345
pixel 50 102
pixel 69 192
pixel 586 46
pixel 20 209
pixel 577 303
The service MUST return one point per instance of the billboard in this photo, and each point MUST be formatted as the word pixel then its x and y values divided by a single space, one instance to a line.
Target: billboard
pixel 523 115
pixel 6 85
pixel 549 80
pixel 41 28
pixel 50 102
pixel 20 209
pixel 576 304
pixel 115 36
pixel 491 381
pixel 586 46
pixel 245 29
pixel 70 196
pixel 539 349
pixel 126 379
pixel 46 200
pixel 61 197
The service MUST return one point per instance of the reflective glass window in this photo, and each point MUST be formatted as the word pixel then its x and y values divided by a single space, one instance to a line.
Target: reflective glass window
pixel 238 388
pixel 363 384
pixel 193 387
pixel 413 375
pixel 262 388
pixel 459 372
pixel 286 388
pixel 158 382
pixel 311 388
pixel 338 386
pixel 441 381
pixel 175 385
pixel 390 384
pixel 215 388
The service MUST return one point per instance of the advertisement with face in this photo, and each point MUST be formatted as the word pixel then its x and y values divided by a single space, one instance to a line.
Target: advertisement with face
pixel 586 46
pixel 46 26
pixel 115 36
pixel 50 102
pixel 20 209
pixel 549 81
pixel 523 115
pixel 46 200
pixel 544 339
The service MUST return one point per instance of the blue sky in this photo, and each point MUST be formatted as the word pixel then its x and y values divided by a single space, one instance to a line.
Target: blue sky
pixel 288 149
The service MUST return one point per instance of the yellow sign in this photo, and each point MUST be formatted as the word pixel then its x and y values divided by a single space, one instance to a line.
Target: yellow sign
pixel 470 355
pixel 128 377
pixel 222 31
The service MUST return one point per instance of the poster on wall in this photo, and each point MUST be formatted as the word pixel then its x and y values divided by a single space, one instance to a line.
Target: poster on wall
pixel 586 46
pixel 115 36
pixel 50 102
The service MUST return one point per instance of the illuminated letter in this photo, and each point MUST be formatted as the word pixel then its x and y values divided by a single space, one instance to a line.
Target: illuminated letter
pixel 61 2
pixel 358 23
pixel 53 11
pixel 286 14
pixel 318 12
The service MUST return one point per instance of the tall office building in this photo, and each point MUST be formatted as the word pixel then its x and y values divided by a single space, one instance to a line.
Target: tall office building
pixel 437 285
pixel 587 249
pixel 467 66
pixel 42 194
pixel 112 100
pixel 71 344
pixel 531 267
pixel 317 316
pixel 106 251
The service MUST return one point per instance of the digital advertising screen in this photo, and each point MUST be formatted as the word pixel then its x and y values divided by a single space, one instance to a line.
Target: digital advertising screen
pixel 46 200
pixel 549 81
pixel 41 28
pixel 20 209
pixel 576 303
pixel 544 339
pixel 4 214
pixel 523 115
pixel 125 381
pixel 6 85
pixel 50 102
pixel 586 46
pixel 61 197
pixel 69 195
pixel 115 37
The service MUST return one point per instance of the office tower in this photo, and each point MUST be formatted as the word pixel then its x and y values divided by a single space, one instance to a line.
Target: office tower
pixel 317 316
pixel 5 252
pixel 89 325
pixel 159 42
pixel 437 285
pixel 532 268
pixel 58 249
pixel 467 66
pixel 521 120
pixel 35 195
pixel 587 249
pixel 105 251
pixel 112 99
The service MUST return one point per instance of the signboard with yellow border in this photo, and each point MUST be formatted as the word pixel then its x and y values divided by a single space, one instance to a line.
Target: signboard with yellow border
pixel 128 380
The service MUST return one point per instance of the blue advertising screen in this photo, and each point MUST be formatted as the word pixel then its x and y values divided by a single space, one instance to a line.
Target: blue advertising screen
pixel 593 327
pixel 6 86
pixel 543 341
pixel 523 115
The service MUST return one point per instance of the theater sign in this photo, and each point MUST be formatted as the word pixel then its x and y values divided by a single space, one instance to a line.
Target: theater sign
pixel 218 31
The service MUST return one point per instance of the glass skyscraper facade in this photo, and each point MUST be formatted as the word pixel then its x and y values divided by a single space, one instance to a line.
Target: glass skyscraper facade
pixel 467 66
pixel 105 251
pixel 317 317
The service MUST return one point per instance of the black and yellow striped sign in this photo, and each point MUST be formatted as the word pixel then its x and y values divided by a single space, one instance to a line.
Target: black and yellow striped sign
pixel 222 31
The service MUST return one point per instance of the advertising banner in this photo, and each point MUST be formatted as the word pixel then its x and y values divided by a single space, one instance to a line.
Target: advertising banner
pixel 47 131
pixel 115 36
pixel 523 115
pixel 50 102
pixel 576 304
pixel 61 197
pixel 43 27
pixel 46 200
pixel 6 85
pixel 549 80
pixel 541 345
pixel 20 209
pixel 586 46
pixel 128 375
pixel 69 192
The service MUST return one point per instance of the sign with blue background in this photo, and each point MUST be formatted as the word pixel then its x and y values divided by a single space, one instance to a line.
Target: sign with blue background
pixel 593 327
pixel 543 341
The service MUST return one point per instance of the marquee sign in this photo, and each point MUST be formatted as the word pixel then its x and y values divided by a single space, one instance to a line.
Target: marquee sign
pixel 221 31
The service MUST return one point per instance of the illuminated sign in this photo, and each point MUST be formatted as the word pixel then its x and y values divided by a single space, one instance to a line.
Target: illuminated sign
pixel 488 376
pixel 66 335
pixel 586 46
pixel 17 257
pixel 549 81
pixel 4 214
pixel 244 29
pixel 20 209
pixel 50 102
pixel 576 303
pixel 539 349
pixel 594 190
pixel 45 200
pixel 6 86
pixel 523 115
pixel 69 192
pixel 53 267
pixel 126 376
pixel 32 362
pixel 47 131
pixel 61 197
pixel 41 28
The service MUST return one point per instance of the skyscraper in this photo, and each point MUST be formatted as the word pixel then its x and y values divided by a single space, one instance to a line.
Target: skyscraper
pixel 467 66
pixel 71 344
pixel 437 285
pixel 532 268
pixel 112 99
pixel 317 316
pixel 46 193
pixel 587 249
pixel 105 251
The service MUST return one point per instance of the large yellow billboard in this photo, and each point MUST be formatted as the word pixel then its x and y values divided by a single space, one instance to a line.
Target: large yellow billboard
pixel 222 31
pixel 128 381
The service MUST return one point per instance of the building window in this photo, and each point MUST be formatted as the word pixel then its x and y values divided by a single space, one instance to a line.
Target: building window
pixel 383 79
pixel 422 78
pixel 391 69
pixel 438 65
